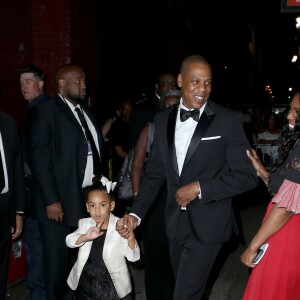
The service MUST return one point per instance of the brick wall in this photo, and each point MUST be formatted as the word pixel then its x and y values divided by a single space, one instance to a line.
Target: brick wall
pixel 15 28
pixel 51 33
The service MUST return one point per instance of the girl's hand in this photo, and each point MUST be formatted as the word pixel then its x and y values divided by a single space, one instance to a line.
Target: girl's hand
pixel 131 226
pixel 94 232
pixel 123 225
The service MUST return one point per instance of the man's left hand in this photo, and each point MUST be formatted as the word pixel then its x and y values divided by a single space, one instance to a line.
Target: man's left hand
pixel 187 193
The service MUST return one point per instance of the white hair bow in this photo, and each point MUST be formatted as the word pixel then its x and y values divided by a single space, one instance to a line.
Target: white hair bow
pixel 110 186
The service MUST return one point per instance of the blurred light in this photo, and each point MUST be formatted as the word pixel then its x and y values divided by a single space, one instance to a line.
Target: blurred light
pixel 298 22
pixel 290 89
pixel 294 59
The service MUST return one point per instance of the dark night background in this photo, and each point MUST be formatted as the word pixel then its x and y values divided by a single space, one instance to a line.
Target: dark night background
pixel 143 37
pixel 123 44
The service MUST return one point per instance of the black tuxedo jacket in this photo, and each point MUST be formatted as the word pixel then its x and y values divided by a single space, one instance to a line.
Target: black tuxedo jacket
pixel 57 158
pixel 14 165
pixel 216 157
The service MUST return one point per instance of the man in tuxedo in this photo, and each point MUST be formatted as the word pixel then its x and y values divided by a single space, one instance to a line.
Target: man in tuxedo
pixel 200 150
pixel 12 193
pixel 64 152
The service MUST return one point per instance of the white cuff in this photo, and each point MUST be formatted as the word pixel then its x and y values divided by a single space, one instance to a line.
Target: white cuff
pixel 139 219
pixel 200 195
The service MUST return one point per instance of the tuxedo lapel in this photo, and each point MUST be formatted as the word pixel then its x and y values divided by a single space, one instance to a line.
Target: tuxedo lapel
pixel 171 136
pixel 203 124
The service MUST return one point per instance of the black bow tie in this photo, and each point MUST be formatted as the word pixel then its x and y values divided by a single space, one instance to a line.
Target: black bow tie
pixel 185 114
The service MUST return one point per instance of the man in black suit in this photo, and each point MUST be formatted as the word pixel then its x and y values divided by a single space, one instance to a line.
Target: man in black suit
pixel 64 152
pixel 12 193
pixel 32 87
pixel 144 112
pixel 200 150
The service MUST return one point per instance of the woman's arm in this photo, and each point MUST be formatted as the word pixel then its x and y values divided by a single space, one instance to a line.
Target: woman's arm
pixel 138 160
pixel 276 219
pixel 258 166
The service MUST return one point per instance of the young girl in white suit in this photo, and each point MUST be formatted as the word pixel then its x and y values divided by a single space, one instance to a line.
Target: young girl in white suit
pixel 101 271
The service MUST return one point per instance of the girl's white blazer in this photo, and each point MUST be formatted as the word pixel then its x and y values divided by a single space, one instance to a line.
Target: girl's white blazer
pixel 115 250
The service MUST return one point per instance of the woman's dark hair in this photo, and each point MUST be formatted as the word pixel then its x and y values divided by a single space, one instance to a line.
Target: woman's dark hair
pixel 98 186
pixel 288 140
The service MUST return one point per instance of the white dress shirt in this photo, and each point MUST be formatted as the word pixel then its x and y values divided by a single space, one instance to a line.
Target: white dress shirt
pixel 88 174
pixel 183 135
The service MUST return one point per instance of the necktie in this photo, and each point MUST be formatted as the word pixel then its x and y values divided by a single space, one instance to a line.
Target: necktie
pixel 2 180
pixel 90 139
pixel 185 114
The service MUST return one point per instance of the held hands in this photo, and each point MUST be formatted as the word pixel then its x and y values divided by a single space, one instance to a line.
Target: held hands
pixel 55 212
pixel 187 193
pixel 126 225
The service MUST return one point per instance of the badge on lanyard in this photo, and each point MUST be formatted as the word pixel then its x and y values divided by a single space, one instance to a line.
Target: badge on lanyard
pixel 90 151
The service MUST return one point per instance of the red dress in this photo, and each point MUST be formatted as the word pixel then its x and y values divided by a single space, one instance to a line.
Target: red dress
pixel 277 275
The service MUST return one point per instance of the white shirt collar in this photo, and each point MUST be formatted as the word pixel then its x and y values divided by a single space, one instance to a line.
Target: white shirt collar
pixel 182 106
pixel 70 104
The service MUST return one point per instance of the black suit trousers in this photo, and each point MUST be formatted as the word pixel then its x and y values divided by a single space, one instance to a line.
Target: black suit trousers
pixel 191 261
pixel 58 260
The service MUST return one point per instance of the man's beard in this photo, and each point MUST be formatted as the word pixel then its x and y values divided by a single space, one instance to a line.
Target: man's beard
pixel 82 101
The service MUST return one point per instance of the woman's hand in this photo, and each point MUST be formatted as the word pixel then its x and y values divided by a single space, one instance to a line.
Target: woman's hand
pixel 258 165
pixel 247 257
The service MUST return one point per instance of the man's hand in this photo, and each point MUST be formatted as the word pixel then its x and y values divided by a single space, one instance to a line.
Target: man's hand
pixel 15 232
pixel 124 225
pixel 55 212
pixel 187 193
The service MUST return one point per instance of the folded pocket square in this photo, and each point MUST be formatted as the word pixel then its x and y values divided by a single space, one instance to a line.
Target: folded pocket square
pixel 211 138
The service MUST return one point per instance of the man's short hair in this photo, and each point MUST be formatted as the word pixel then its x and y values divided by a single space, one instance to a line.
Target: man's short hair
pixel 36 71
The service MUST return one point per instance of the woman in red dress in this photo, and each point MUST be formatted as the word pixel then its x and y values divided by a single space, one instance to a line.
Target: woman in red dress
pixel 277 275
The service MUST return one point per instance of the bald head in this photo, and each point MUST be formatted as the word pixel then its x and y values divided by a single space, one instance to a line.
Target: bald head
pixel 63 71
pixel 192 59
pixel 70 82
